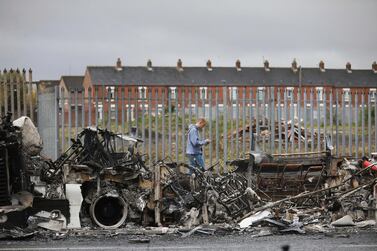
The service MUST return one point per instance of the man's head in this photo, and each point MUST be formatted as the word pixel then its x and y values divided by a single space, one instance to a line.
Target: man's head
pixel 200 123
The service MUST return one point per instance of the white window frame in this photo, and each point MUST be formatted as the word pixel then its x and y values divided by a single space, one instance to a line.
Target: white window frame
pixel 100 111
pixel 319 91
pixel 290 91
pixel 221 107
pixel 173 92
pixel 373 94
pixel 141 96
pixel 112 110
pixel 160 108
pixel 112 92
pixel 347 94
pixel 205 92
pixel 261 92
pixel 233 93
pixel 145 107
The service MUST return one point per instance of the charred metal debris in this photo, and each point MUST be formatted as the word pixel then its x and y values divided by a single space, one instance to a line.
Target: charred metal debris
pixel 102 183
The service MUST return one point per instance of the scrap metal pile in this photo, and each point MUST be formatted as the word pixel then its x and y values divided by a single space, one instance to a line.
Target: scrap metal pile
pixel 103 182
pixel 289 130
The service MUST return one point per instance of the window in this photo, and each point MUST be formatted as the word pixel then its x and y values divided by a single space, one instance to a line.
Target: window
pixel 112 110
pixel 203 92
pixel 160 107
pixel 221 108
pixel 145 110
pixel 112 92
pixel 346 94
pixel 373 95
pixel 173 92
pixel 289 91
pixel 260 93
pixel 319 93
pixel 233 92
pixel 100 111
pixel 142 92
pixel 130 111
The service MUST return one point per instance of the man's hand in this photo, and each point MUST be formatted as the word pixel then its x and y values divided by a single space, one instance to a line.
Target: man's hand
pixel 208 141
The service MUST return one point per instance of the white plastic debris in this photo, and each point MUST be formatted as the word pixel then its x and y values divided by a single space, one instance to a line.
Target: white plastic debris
pixel 190 219
pixel 254 218
pixel 365 223
pixel 74 196
pixel 31 140
pixel 343 222
pixel 56 220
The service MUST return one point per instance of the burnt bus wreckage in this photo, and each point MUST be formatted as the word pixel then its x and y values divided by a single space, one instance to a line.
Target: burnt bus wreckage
pixel 115 184
pixel 288 174
pixel 102 181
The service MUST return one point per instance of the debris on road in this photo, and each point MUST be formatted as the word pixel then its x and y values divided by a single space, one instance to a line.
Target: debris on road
pixel 102 185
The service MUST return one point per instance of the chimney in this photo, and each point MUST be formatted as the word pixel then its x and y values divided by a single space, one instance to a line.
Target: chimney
pixel 209 65
pixel 238 65
pixel 179 65
pixel 149 65
pixel 266 65
pixel 348 67
pixel 118 65
pixel 322 66
pixel 294 66
pixel 374 67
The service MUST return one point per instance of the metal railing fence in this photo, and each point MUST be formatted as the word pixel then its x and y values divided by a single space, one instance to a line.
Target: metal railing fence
pixel 284 120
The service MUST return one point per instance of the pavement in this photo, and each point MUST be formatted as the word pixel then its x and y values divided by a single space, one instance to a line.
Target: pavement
pixel 365 240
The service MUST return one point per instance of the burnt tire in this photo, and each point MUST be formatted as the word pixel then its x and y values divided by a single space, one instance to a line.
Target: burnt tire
pixel 109 212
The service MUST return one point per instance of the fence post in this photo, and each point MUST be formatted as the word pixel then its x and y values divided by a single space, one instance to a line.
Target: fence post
pixel 356 125
pixel 217 124
pixel 156 125
pixel 62 102
pixel 5 94
pixel 350 126
pixel 31 95
pixel 305 122
pixel 343 124
pixel 337 121
pixel 225 102
pixel 163 123
pixel 299 118
pixel 251 119
pixel 279 120
pixel 243 121
pixel 362 123
pixel 183 123
pixel 370 123
pixel 11 89
pixel 48 125
pixel 286 119
pixel 210 124
pixel 169 118
pixel 143 94
pixel 18 89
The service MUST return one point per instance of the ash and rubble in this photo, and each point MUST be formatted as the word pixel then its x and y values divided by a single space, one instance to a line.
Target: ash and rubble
pixel 101 185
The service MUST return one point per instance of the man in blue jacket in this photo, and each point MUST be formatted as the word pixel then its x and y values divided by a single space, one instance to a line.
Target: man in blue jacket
pixel 194 150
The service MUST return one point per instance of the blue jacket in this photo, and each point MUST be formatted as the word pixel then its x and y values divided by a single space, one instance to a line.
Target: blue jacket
pixel 194 144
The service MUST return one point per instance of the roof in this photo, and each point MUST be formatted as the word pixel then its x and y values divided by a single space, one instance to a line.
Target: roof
pixel 257 76
pixel 73 82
